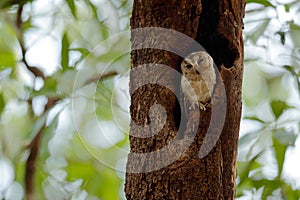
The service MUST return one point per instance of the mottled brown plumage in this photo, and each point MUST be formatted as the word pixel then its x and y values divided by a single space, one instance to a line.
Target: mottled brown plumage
pixel 198 80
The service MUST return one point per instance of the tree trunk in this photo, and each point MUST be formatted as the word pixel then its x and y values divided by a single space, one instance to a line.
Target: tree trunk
pixel 162 165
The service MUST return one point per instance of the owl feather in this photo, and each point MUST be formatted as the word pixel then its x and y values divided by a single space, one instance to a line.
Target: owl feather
pixel 198 80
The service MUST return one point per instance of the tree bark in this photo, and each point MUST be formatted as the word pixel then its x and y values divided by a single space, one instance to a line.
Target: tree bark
pixel 217 25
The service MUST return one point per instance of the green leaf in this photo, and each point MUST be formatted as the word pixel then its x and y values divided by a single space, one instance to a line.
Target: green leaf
pixel 48 133
pixel 7 59
pixel 269 186
pixel 47 92
pixel 65 52
pixel 2 104
pixel 295 34
pixel 290 69
pixel 287 7
pixel 294 26
pixel 258 32
pixel 254 118
pixel 39 123
pixel 94 9
pixel 10 3
pixel 106 179
pixel 72 7
pixel 84 52
pixel 246 60
pixel 110 56
pixel 49 89
pixel 103 99
pixel 102 25
pixel 278 107
pixel 244 168
pixel 280 150
pixel 289 193
pixel 282 36
pixel 28 25
pixel 51 83
pixel 262 2
pixel 247 185
pixel 281 141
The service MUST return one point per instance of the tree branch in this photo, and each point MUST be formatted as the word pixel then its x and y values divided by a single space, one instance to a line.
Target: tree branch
pixel 33 154
pixel 35 143
pixel 34 146
pixel 19 24
pixel 100 77
pixel 30 164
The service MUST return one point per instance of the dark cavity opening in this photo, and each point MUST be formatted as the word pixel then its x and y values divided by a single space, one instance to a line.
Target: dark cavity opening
pixel 208 37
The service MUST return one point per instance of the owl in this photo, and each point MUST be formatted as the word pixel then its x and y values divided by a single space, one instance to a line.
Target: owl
pixel 198 80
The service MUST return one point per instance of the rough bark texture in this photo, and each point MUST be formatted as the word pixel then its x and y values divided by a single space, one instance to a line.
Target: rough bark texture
pixel 216 25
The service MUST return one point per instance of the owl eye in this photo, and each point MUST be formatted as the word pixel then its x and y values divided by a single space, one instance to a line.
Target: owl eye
pixel 189 66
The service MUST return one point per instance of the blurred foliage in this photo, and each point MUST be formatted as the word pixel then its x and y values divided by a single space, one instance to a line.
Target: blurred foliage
pixel 54 62
pixel 270 127
pixel 59 66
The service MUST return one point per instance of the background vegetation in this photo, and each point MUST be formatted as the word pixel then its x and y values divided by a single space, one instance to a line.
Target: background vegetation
pixel 268 145
pixel 63 127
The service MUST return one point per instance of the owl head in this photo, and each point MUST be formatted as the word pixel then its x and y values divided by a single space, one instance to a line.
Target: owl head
pixel 197 62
